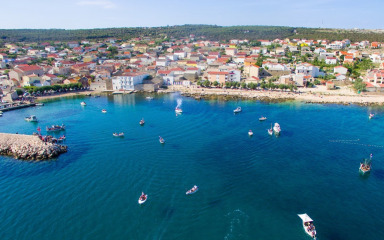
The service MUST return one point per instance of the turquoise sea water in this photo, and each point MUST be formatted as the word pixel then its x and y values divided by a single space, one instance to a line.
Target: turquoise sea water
pixel 250 188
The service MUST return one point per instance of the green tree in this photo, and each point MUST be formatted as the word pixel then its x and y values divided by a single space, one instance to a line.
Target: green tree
pixel 215 83
pixel 359 85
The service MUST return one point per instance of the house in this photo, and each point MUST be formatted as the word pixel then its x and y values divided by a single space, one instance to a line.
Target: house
pixel 299 80
pixel 265 42
pixel 308 69
pixel 331 60
pixel 330 85
pixel 127 81
pixel 24 70
pixel 50 49
pixel 73 44
pixel 32 80
pixel 375 45
pixel 53 79
pixel 340 77
pixel 220 77
pixel 231 51
pixel 100 84
pixel 340 69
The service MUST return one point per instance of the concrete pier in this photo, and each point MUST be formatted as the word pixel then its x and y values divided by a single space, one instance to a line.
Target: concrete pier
pixel 28 147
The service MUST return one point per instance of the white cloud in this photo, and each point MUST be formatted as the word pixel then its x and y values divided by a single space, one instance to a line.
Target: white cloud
pixel 98 3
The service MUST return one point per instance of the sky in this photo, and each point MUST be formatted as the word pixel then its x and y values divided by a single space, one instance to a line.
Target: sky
pixel 85 14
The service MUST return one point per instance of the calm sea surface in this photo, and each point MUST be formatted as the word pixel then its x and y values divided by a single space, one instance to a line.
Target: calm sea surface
pixel 250 188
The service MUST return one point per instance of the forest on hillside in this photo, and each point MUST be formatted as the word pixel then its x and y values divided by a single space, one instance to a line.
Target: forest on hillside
pixel 210 32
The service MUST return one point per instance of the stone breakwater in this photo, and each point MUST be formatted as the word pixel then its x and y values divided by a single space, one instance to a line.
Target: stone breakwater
pixel 28 147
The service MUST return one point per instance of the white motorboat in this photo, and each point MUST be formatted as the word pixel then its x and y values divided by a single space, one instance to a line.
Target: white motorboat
pixel 371 115
pixel 237 110
pixel 143 198
pixel 277 129
pixel 55 128
pixel 39 104
pixel 262 118
pixel 250 133
pixel 178 110
pixel 117 92
pixel 149 98
pixel 192 190
pixel 161 140
pixel 365 166
pixel 142 122
pixel 104 111
pixel 308 226
pixel 118 134
pixel 270 131
pixel 83 104
pixel 31 118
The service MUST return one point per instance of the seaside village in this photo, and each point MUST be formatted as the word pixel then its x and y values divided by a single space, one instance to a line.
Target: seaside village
pixel 145 64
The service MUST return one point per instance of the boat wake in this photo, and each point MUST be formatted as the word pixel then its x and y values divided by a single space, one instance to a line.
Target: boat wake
pixel 238 223
pixel 356 142
pixel 179 102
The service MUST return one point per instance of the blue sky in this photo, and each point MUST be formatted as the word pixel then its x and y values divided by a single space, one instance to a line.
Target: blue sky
pixel 75 14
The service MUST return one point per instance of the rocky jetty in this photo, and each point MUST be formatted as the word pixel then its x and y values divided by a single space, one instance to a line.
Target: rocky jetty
pixel 28 147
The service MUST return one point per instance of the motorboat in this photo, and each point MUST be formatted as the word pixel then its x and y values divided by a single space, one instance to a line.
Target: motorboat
pixel 56 128
pixel 270 131
pixel 117 92
pixel 262 118
pixel 97 96
pixel 61 139
pixel 149 98
pixel 365 166
pixel 143 198
pixel 250 133
pixel 161 140
pixel 83 104
pixel 192 190
pixel 142 122
pixel 104 111
pixel 277 129
pixel 237 110
pixel 371 115
pixel 39 104
pixel 118 134
pixel 308 226
pixel 178 110
pixel 31 118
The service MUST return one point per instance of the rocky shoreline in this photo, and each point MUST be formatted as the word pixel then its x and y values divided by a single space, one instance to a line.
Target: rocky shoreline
pixel 28 147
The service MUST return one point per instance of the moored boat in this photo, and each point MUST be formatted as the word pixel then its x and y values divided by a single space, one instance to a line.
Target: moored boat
pixel 142 122
pixel 143 198
pixel 192 190
pixel 149 98
pixel 31 118
pixel 237 110
pixel 277 129
pixel 62 138
pixel 55 128
pixel 270 131
pixel 262 118
pixel 104 111
pixel 250 133
pixel 178 110
pixel 118 134
pixel 308 226
pixel 83 104
pixel 365 166
pixel 161 140
pixel 371 115
pixel 39 104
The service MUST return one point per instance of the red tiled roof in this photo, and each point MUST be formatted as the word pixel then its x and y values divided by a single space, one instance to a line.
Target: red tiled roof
pixel 29 68
pixel 218 73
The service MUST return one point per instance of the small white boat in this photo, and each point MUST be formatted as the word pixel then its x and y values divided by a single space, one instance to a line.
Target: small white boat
pixel 308 226
pixel 250 133
pixel 117 92
pixel 178 110
pixel 262 118
pixel 237 110
pixel 192 190
pixel 365 166
pixel 55 128
pixel 277 129
pixel 83 104
pixel 31 118
pixel 142 122
pixel 118 134
pixel 61 139
pixel 143 198
pixel 104 111
pixel 149 98
pixel 371 115
pixel 161 140
pixel 270 131
pixel 1 114
pixel 39 104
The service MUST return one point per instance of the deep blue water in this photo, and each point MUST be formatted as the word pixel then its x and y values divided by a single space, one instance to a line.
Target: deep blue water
pixel 250 188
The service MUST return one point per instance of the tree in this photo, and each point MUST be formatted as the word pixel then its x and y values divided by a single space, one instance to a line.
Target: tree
pixel 359 85
pixel 215 83
pixel 207 83
pixel 243 85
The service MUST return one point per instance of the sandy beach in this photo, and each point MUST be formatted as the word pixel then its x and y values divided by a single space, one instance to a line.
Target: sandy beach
pixel 320 94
